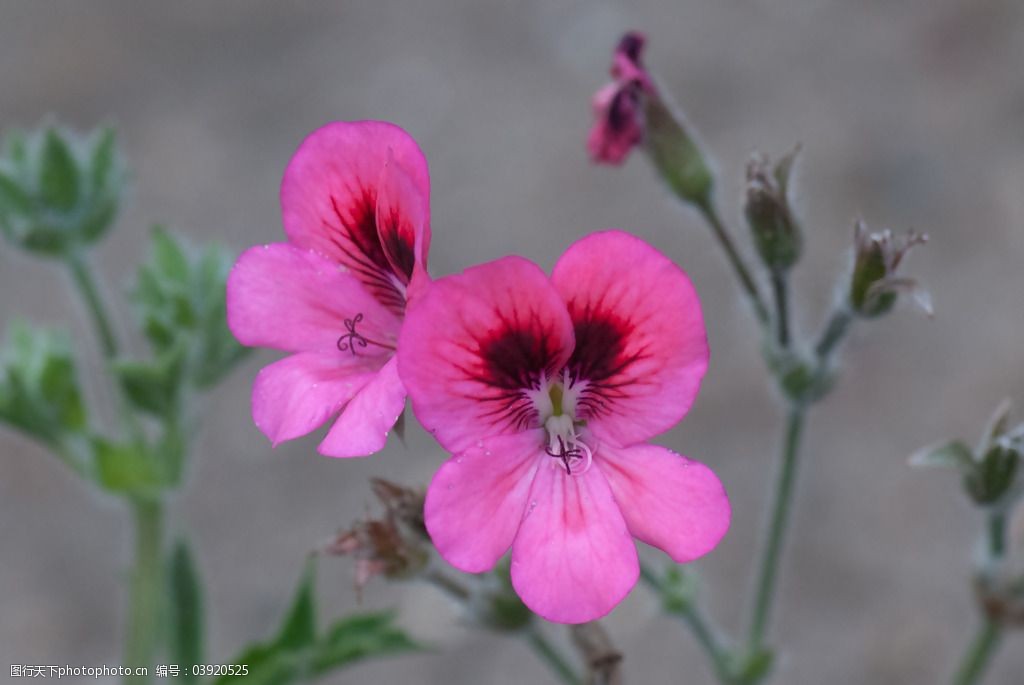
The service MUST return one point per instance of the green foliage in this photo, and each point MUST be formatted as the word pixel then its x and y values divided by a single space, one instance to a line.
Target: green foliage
pixel 299 652
pixel 39 391
pixel 186 612
pixel 180 303
pixel 153 386
pixel 59 190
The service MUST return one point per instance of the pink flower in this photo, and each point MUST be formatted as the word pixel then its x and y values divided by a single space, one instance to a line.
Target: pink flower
pixel 619 106
pixel 545 391
pixel 355 203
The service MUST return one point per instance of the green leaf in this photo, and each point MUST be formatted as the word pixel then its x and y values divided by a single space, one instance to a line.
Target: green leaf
pixel 128 468
pixel 104 162
pixel 58 173
pixel 297 654
pixel 187 630
pixel 299 628
pixel 169 257
pixel 13 198
pixel 952 454
pixel 153 386
pixel 360 637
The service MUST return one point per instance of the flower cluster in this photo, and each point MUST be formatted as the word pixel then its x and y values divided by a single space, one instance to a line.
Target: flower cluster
pixel 544 389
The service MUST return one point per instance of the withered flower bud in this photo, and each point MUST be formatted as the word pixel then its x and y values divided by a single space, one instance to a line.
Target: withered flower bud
pixel 776 233
pixel 876 283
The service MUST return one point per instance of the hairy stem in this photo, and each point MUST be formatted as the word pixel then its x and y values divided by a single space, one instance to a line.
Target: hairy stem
pixel 147 589
pixel 781 292
pixel 552 657
pixel 747 281
pixel 84 280
pixel 781 505
pixel 691 615
pixel 997 535
pixel 835 330
pixel 979 653
pixel 603 660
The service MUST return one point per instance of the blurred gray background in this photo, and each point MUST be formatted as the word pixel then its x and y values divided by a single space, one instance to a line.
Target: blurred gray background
pixel 911 115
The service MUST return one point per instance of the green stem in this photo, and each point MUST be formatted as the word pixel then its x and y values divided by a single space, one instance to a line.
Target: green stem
pixel 835 331
pixel 997 535
pixel 747 281
pixel 552 657
pixel 979 653
pixel 86 284
pixel 769 563
pixel 780 290
pixel 706 634
pixel 147 589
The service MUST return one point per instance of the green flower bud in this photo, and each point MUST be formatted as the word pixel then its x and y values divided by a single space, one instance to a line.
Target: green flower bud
pixel 675 153
pixel 59 191
pixel 776 234
pixel 39 391
pixel 180 302
pixel 875 283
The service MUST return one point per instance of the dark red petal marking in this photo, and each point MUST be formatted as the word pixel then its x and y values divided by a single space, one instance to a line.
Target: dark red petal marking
pixel 397 238
pixel 353 231
pixel 509 361
pixel 606 349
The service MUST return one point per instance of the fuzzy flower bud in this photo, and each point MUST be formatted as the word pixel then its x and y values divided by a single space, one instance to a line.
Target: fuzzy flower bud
pixel 59 191
pixel 775 230
pixel 876 283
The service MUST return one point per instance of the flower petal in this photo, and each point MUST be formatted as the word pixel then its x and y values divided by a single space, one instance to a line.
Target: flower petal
pixel 641 346
pixel 291 299
pixel 673 503
pixel 293 396
pixel 573 559
pixel 403 226
pixel 475 342
pixel 476 500
pixel 364 424
pixel 329 198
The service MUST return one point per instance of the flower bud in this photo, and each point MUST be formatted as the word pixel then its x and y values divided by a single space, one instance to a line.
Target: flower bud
pixel 777 236
pixel 619 106
pixel 59 191
pixel 631 111
pixel 39 391
pixel 876 283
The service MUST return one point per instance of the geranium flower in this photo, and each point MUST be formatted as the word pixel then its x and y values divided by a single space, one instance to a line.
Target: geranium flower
pixel 545 391
pixel 355 204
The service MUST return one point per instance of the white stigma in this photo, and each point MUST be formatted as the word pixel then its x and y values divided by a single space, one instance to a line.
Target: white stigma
pixel 566 447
